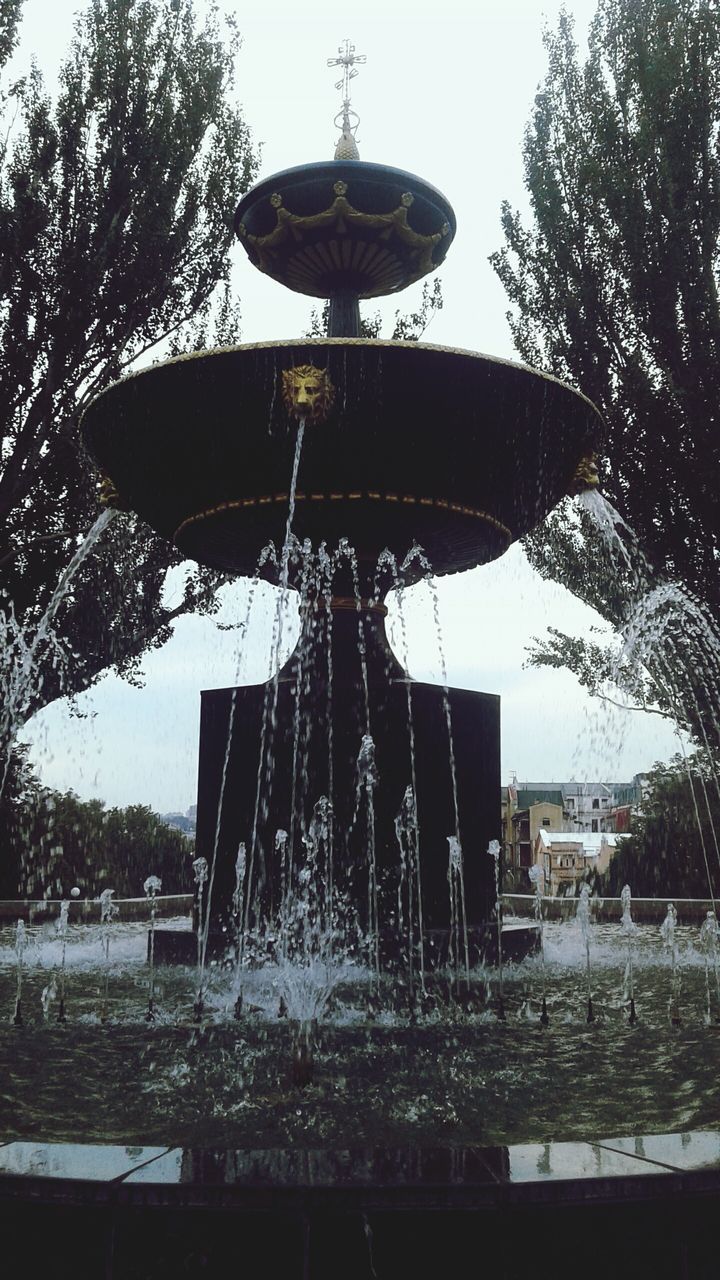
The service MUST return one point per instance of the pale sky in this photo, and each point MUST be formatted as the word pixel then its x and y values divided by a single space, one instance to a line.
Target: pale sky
pixel 446 93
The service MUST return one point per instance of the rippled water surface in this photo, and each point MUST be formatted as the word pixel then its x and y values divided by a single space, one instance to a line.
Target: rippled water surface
pixel 457 1075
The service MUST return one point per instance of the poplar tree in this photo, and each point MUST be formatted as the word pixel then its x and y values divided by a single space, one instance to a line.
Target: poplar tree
pixel 613 282
pixel 116 195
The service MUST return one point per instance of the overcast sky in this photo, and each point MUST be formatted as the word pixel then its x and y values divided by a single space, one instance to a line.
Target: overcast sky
pixel 446 93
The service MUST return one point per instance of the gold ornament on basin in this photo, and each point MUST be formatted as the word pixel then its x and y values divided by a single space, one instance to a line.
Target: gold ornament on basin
pixel 108 495
pixel 307 392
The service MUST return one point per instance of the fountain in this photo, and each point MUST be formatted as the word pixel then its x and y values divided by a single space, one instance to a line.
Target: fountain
pixel 347 907
pixel 340 468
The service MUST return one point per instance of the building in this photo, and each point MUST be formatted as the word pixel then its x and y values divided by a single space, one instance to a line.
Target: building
pixel 535 809
pixel 570 858
pixel 593 808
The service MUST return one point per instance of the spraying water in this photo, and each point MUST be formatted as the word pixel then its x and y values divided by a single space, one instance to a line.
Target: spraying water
pixel 200 872
pixel 407 835
pixel 458 923
pixel 237 911
pixel 628 930
pixel 109 911
pixel 367 780
pixel 709 938
pixel 667 933
pixel 152 887
pixel 494 853
pixel 583 919
pixel 62 928
pixel 20 945
pixel 537 880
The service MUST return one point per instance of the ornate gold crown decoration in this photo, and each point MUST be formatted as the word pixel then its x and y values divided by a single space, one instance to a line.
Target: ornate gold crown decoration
pixel 341 218
pixel 586 475
pixel 307 392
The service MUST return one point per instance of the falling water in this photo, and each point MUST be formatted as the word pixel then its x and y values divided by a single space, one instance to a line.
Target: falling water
pixel 325 568
pixel 285 557
pixel 303 685
pixel 346 552
pixel 266 555
pixel 611 527
pixel 583 918
pixel 432 586
pixel 669 633
pixel 269 723
pixel 387 561
pixel 22 667
pixel 628 929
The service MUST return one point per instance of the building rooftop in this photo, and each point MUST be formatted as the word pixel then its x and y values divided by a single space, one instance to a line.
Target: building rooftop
pixel 538 795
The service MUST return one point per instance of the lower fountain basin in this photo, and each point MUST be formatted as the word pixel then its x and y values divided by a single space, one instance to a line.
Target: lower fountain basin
pixel 456 451
pixel 457 1075
pixel 131 1149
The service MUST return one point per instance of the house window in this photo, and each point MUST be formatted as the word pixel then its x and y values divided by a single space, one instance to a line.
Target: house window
pixel 546 822
pixel 594 824
pixel 596 803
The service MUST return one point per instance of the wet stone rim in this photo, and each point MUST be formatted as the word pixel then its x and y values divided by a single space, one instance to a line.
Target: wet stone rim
pixel 610 1170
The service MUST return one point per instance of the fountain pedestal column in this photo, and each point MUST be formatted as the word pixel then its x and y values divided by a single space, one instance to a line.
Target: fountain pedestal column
pixel 268 753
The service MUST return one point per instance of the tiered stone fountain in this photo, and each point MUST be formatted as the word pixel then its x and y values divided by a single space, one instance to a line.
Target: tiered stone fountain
pixel 350 447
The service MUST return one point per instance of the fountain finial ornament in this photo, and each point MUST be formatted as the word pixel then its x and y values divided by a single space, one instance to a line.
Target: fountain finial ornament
pixel 346 119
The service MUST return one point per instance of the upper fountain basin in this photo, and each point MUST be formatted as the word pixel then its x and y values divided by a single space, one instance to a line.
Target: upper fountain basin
pixel 345 226
pixel 459 452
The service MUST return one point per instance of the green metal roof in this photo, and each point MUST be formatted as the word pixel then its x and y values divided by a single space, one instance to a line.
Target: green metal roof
pixel 527 798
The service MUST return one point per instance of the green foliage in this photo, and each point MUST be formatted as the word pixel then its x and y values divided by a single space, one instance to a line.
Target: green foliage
pixel 614 284
pixel 115 204
pixel 56 841
pixel 598 668
pixel 671 850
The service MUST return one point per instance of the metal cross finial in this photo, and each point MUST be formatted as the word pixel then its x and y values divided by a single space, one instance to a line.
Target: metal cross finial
pixel 346 119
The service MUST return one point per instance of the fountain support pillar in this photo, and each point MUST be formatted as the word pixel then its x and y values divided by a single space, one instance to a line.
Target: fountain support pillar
pixel 265 761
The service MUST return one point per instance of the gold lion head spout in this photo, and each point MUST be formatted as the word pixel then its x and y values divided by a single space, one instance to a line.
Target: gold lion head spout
pixel 307 392
pixel 586 475
pixel 108 495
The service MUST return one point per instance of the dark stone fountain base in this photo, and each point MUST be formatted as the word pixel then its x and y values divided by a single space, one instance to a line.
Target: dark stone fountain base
pixel 268 755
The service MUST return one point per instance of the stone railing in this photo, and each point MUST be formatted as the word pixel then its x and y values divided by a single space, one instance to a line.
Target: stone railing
pixel 87 910
pixel 645 910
